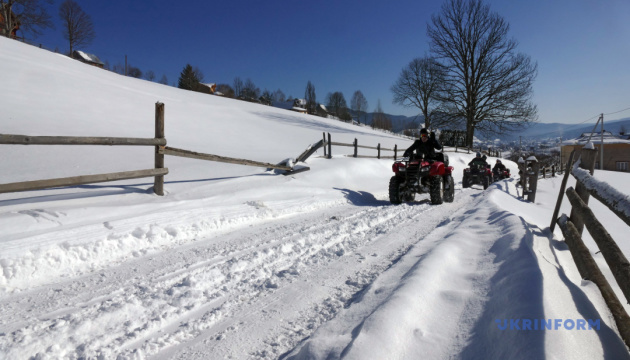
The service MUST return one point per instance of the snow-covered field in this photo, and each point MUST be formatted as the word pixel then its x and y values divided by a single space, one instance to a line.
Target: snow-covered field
pixel 239 262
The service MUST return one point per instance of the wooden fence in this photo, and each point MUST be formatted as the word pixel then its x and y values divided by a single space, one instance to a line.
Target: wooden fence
pixel 329 143
pixel 158 172
pixel 573 226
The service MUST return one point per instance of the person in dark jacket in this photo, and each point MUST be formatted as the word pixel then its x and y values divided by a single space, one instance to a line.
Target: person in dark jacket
pixel 426 145
pixel 498 166
pixel 478 161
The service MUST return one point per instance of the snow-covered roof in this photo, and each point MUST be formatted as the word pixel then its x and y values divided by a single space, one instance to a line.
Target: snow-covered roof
pixel 596 138
pixel 88 57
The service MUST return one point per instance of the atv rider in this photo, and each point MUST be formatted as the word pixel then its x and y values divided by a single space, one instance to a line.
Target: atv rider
pixel 478 162
pixel 498 168
pixel 426 145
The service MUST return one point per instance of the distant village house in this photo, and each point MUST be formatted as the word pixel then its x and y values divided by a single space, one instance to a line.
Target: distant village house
pixel 90 59
pixel 616 150
pixel 206 88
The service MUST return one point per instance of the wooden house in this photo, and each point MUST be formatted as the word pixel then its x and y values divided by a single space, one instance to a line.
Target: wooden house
pixel 206 88
pixel 616 150
pixel 90 59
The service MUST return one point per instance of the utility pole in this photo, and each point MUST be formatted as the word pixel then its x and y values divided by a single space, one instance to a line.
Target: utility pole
pixel 601 152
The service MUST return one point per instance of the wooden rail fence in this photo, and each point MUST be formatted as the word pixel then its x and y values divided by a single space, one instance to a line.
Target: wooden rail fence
pixel 573 226
pixel 158 172
pixel 328 144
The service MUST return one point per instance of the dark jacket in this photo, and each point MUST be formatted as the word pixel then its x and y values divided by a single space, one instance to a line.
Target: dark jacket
pixel 426 148
pixel 498 167
pixel 478 161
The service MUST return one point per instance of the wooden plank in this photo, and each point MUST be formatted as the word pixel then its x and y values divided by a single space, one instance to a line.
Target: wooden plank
pixel 341 144
pixel 6 139
pixel 590 271
pixel 310 151
pixel 561 194
pixel 616 260
pixel 79 180
pixel 209 157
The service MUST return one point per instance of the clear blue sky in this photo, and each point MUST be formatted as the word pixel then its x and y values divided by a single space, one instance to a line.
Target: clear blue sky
pixel 582 47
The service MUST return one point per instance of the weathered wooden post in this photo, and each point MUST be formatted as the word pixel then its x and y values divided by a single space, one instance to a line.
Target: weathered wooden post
pixel 533 178
pixel 553 170
pixel 355 147
pixel 587 162
pixel 554 218
pixel 523 170
pixel 324 135
pixel 329 147
pixel 158 184
pixel 395 151
pixel 378 147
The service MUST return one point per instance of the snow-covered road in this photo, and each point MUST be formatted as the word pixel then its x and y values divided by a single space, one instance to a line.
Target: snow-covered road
pixel 282 279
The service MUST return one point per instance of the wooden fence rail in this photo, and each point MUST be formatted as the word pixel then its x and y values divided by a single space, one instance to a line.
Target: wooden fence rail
pixel 158 172
pixel 328 145
pixel 582 215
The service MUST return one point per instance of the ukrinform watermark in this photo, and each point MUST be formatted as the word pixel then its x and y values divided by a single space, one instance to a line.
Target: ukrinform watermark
pixel 547 324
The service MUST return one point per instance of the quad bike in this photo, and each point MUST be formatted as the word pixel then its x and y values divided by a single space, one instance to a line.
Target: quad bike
pixel 501 174
pixel 421 176
pixel 477 174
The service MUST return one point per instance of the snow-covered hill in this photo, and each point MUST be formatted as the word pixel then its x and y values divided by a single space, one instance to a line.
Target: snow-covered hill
pixel 239 262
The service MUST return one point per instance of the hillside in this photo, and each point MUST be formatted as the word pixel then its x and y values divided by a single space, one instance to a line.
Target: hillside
pixel 241 262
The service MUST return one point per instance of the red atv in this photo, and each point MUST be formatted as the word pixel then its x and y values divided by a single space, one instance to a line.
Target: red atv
pixel 501 174
pixel 477 174
pixel 421 176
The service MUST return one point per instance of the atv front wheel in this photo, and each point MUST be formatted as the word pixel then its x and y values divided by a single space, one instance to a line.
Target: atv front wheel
pixel 395 193
pixel 436 190
pixel 465 183
pixel 449 191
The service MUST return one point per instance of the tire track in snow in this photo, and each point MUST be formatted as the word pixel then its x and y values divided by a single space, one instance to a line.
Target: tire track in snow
pixel 210 293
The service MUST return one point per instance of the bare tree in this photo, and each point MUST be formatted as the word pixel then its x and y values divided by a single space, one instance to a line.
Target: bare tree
pixel 149 75
pixel 359 104
pixel 238 86
pixel 29 16
pixel 487 83
pixel 226 90
pixel 311 98
pixel 77 25
pixel 336 103
pixel 163 80
pixel 418 86
pixel 250 90
pixel 278 95
pixel 380 120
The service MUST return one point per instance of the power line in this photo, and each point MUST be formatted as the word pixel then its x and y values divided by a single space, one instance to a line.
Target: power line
pixel 616 112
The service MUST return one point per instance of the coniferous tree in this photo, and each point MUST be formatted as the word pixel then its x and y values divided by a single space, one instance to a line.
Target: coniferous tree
pixel 188 78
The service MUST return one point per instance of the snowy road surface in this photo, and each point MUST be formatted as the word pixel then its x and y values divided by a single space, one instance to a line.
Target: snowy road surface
pixel 282 279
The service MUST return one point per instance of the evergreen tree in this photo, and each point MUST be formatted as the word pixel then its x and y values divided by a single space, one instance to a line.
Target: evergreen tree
pixel 188 78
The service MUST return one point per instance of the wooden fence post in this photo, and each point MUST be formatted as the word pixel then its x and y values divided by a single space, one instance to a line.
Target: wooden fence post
pixel 533 182
pixel 395 151
pixel 324 135
pixel 378 147
pixel 355 147
pixel 329 147
pixel 158 184
pixel 587 162
pixel 554 218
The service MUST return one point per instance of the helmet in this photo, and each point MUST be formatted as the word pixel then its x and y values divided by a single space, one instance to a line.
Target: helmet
pixel 478 154
pixel 424 131
pixel 498 161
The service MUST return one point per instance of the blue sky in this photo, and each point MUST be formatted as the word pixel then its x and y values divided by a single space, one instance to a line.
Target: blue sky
pixel 582 47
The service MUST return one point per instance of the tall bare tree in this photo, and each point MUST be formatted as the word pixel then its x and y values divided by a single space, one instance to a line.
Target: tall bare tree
pixel 418 86
pixel 359 104
pixel 380 120
pixel 336 103
pixel 238 86
pixel 30 16
pixel 311 98
pixel 487 83
pixel 78 28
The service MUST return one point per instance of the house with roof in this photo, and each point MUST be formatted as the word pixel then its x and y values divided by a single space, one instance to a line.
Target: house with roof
pixel 210 88
pixel 616 150
pixel 7 16
pixel 90 59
